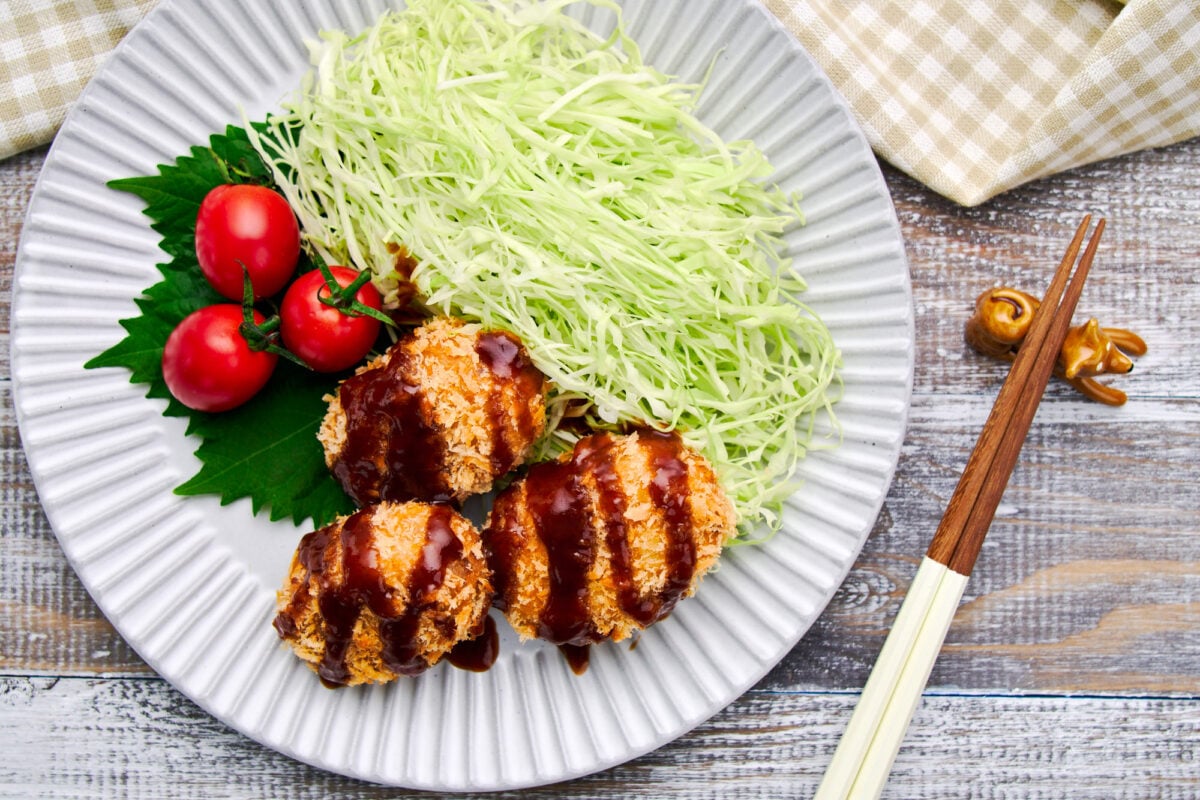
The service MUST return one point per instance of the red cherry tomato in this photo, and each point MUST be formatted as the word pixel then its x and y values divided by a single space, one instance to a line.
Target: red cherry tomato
pixel 251 225
pixel 328 339
pixel 207 363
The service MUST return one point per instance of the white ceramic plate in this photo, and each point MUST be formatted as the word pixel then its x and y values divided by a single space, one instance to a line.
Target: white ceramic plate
pixel 190 584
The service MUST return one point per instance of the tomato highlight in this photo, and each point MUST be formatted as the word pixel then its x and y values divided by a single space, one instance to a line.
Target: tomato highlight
pixel 328 330
pixel 209 365
pixel 244 226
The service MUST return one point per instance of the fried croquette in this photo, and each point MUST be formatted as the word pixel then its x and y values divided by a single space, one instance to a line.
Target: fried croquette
pixel 383 592
pixel 606 540
pixel 442 414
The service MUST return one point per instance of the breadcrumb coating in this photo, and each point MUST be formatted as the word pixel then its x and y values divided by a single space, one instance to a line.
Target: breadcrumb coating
pixel 386 591
pixel 442 414
pixel 651 519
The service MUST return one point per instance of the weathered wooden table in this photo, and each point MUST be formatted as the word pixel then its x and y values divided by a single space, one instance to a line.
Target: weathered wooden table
pixel 1073 666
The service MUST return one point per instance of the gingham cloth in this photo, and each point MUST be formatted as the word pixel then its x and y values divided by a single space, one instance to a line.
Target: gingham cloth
pixel 974 97
pixel 49 50
pixel 969 97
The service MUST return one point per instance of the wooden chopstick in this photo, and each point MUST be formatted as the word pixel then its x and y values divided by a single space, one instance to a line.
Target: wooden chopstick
pixel 960 535
pixel 868 747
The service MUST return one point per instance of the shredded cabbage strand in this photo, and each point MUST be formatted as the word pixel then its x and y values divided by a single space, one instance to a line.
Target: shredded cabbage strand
pixel 548 182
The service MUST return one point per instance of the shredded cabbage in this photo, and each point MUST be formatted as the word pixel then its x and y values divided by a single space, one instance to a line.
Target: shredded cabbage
pixel 548 182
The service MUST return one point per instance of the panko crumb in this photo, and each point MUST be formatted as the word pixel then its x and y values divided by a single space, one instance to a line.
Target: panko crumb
pixel 521 559
pixel 363 564
pixel 461 407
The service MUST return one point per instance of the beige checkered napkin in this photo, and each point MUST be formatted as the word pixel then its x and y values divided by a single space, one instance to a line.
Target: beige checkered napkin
pixel 970 97
pixel 48 52
pixel 974 97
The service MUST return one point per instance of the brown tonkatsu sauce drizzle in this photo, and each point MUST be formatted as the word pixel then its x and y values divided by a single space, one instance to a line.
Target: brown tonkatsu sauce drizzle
pixel 391 452
pixel 404 264
pixel 669 491
pixel 567 521
pixel 442 548
pixel 558 503
pixel 479 653
pixel 577 656
pixel 502 354
pixel 311 556
pixel 363 586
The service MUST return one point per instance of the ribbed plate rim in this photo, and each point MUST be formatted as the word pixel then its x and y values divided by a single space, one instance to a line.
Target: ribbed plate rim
pixel 28 390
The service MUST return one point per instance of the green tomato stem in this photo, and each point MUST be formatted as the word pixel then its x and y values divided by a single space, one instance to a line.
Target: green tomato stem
pixel 262 336
pixel 344 299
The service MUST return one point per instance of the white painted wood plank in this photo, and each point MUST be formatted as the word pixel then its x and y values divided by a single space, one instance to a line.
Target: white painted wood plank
pixel 139 738
pixel 1089 584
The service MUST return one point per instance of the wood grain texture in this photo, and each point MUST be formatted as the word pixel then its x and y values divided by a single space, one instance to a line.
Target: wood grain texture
pixel 138 738
pixel 1073 666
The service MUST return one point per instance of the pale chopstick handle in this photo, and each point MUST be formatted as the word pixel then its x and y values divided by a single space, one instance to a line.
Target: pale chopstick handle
pixel 864 756
pixel 877 764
